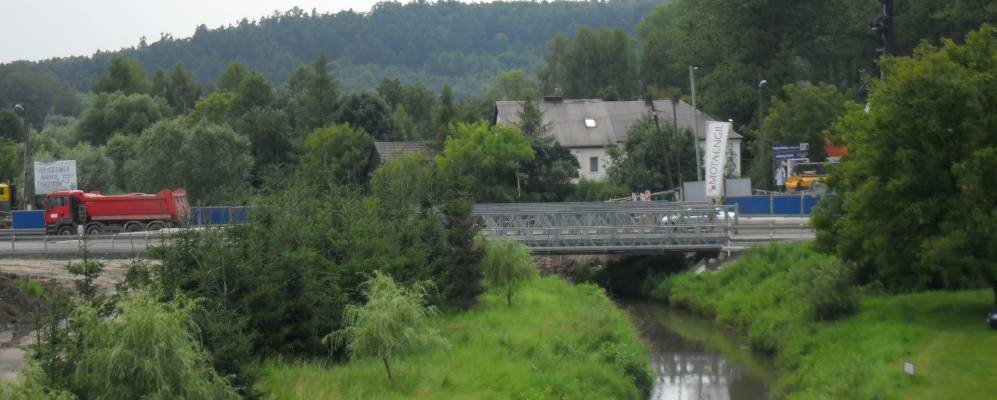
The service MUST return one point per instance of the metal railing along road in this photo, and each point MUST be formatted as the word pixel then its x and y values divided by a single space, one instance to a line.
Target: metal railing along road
pixel 133 242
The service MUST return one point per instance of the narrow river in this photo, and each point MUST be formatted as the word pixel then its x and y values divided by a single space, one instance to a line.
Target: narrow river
pixel 692 359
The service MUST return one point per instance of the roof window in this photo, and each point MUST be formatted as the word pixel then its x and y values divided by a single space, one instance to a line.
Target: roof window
pixel 589 122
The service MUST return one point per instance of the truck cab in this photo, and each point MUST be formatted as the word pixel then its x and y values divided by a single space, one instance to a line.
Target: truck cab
pixel 8 196
pixel 61 213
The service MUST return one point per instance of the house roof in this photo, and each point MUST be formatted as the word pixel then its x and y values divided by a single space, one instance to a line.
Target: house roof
pixel 567 119
pixel 390 151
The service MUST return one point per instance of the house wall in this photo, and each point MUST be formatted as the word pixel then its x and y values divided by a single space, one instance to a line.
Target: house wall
pixel 584 156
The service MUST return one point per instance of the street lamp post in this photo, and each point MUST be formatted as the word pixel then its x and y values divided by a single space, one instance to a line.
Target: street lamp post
pixel 695 135
pixel 761 112
pixel 27 189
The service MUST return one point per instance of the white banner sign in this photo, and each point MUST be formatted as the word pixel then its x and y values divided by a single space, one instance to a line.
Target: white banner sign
pixel 53 176
pixel 716 157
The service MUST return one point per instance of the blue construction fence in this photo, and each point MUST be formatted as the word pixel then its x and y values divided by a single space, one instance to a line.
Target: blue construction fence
pixel 199 216
pixel 218 215
pixel 776 204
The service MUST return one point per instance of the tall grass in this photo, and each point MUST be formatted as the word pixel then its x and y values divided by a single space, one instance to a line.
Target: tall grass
pixel 30 287
pixel 555 341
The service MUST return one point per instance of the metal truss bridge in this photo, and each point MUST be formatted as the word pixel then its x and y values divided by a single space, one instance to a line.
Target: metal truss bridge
pixel 604 228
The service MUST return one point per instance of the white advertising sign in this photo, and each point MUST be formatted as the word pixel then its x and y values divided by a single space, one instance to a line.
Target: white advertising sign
pixel 53 176
pixel 716 157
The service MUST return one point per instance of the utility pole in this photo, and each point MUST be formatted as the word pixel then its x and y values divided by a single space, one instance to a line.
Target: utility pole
pixel 695 135
pixel 664 143
pixel 883 25
pixel 678 143
pixel 27 190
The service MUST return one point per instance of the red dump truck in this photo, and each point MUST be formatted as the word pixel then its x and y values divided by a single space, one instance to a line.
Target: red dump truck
pixel 97 214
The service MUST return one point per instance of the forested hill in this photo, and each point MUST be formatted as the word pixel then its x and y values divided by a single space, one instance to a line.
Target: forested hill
pixel 421 42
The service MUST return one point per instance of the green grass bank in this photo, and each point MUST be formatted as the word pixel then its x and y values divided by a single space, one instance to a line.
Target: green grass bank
pixel 831 340
pixel 556 341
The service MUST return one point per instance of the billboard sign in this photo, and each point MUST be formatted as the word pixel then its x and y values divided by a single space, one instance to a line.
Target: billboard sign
pixel 53 176
pixel 781 154
pixel 716 157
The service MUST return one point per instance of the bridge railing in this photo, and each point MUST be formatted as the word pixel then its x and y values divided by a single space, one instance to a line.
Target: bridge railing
pixel 608 227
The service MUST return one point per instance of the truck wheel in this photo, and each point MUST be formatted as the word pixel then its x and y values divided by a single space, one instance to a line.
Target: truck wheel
pixel 154 226
pixel 66 230
pixel 134 226
pixel 95 228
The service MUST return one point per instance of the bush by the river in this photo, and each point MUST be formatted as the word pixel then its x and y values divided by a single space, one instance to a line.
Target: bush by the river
pixel 555 341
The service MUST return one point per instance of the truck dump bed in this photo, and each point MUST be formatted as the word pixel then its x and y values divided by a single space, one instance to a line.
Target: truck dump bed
pixel 166 206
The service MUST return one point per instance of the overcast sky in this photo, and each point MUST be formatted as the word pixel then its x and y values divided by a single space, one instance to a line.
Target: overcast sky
pixel 40 29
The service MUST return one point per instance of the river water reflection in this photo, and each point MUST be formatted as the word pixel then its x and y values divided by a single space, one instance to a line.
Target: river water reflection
pixel 692 359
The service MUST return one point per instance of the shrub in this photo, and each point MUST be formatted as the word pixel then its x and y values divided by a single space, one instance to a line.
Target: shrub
pixel 589 190
pixel 775 294
pixel 149 350
pixel 507 266
pixel 393 321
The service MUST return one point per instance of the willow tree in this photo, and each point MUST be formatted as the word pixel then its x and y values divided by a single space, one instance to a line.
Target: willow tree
pixel 395 320
pixel 507 265
pixel 148 350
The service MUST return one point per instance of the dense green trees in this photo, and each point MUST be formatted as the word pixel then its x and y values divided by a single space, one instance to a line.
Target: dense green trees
pixel 369 112
pixel 10 162
pixel 735 45
pixel 173 154
pixel 922 166
pixel 254 91
pixel 123 75
pixel 178 88
pixel 592 64
pixel 337 155
pixel 11 127
pixel 430 43
pixel 38 91
pixel 231 77
pixel 112 113
pixel 314 95
pixel 485 160
pixel 650 154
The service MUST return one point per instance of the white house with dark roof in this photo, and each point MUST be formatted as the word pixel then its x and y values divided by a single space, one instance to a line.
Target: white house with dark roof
pixel 587 127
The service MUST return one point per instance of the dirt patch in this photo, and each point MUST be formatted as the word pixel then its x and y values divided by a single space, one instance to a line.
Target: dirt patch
pixel 19 314
pixel 55 271
pixel 18 309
